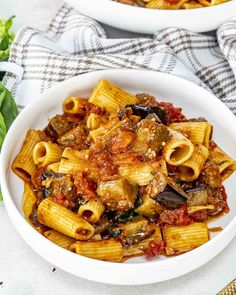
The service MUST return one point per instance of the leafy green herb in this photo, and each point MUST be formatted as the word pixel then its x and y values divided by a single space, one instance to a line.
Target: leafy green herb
pixel 115 232
pixel 6 38
pixel 129 215
pixel 81 202
pixel 8 112
pixel 8 107
pixel 3 129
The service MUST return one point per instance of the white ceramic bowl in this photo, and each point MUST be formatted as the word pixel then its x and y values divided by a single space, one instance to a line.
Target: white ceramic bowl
pixel 143 20
pixel 195 102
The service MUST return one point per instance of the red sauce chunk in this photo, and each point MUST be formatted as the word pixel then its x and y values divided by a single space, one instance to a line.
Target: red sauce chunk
pixel 154 249
pixel 177 216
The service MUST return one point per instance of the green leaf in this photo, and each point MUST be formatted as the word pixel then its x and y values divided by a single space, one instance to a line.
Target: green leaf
pixel 1 198
pixel 8 108
pixel 4 43
pixel 3 130
pixel 6 38
pixel 2 95
pixel 9 22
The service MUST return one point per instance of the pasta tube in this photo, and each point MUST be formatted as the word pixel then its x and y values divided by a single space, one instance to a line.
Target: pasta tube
pixel 107 130
pixel 162 4
pixel 139 248
pixel 140 174
pixel 110 97
pixel 28 201
pixel 72 105
pixel 73 160
pixel 59 239
pixel 160 166
pixel 54 167
pixel 191 169
pixel 61 219
pixel 192 5
pixel 91 211
pixel 149 207
pixel 23 165
pixel 193 209
pixel 226 164
pixel 94 121
pixel 178 149
pixel 133 226
pixel 196 132
pixel 184 238
pixel 107 250
pixel 45 153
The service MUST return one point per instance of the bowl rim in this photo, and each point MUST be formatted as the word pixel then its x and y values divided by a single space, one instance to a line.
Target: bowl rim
pixel 150 11
pixel 19 221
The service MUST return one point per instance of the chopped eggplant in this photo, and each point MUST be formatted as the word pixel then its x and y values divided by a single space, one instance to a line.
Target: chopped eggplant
pixel 151 137
pixel 211 174
pixel 75 138
pixel 117 194
pixel 170 198
pixel 57 126
pixel 166 192
pixel 143 111
pixel 197 196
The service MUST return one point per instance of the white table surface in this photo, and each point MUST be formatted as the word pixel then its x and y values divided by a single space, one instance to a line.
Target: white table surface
pixel 24 272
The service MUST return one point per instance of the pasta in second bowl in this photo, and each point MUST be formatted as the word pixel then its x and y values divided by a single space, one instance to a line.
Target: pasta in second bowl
pixel 151 20
pixel 135 271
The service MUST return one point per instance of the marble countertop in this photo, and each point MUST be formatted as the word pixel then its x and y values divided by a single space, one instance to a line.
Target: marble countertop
pixel 24 272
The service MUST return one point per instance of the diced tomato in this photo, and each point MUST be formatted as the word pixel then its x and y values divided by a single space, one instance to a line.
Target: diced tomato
pixel 212 144
pixel 84 187
pixel 200 216
pixel 177 216
pixel 173 114
pixel 223 192
pixel 122 140
pixel 154 249
pixel 101 160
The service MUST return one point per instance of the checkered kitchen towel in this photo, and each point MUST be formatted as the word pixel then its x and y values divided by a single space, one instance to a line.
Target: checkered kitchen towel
pixel 75 44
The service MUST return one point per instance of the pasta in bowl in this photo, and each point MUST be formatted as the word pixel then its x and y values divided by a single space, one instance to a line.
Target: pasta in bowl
pixel 171 4
pixel 127 176
pixel 158 14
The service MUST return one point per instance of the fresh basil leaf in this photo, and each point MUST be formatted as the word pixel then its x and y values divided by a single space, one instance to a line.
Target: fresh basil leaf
pixel 8 109
pixel 3 130
pixel 6 38
pixel 2 95
pixel 4 43
pixel 4 55
pixel 9 23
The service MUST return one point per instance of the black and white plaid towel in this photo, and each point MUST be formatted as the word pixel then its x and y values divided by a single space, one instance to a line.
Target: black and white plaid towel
pixel 75 44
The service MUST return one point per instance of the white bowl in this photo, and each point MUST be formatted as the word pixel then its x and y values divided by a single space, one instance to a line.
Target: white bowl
pixel 144 20
pixel 195 102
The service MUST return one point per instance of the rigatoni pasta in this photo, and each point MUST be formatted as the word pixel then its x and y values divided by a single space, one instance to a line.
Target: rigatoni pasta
pixel 189 237
pixel 123 175
pixel 45 153
pixel 226 164
pixel 107 250
pixel 59 239
pixel 61 219
pixel 180 4
pixel 110 97
pixel 191 169
pixel 23 165
pixel 178 149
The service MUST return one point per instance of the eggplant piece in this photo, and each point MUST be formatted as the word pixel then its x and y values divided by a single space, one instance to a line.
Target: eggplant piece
pixel 170 198
pixel 143 111
pixel 197 196
pixel 167 193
